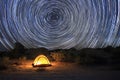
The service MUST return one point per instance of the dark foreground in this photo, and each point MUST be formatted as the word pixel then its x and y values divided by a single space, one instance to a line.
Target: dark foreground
pixel 60 71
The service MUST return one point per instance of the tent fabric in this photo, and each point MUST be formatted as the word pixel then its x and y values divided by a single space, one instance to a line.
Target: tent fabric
pixel 41 61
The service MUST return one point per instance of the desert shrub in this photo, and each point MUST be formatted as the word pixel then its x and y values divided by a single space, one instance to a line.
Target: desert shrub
pixel 18 48
pixel 18 60
pixel 115 56
pixel 21 60
pixel 4 63
pixel 18 51
pixel 77 60
pixel 66 55
pixel 5 60
pixel 32 53
pixel 86 59
pixel 108 49
pixel 92 56
pixel 70 57
pixel 58 56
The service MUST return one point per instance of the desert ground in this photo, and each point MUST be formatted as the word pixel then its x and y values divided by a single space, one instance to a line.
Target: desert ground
pixel 59 71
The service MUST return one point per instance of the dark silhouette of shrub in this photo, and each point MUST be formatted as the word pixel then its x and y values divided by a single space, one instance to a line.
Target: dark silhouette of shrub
pixel 18 50
pixel 92 56
pixel 4 63
pixel 58 56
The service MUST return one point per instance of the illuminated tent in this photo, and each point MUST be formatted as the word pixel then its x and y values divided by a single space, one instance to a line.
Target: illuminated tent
pixel 41 61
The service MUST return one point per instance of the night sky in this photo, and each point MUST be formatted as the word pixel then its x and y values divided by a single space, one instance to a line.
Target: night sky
pixel 59 24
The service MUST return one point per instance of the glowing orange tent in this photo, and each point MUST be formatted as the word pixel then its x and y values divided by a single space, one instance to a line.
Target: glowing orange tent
pixel 41 61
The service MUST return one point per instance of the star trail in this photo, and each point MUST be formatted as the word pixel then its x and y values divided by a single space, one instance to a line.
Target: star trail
pixel 59 24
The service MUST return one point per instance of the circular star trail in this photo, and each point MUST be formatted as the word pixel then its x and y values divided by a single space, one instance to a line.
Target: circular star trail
pixel 59 24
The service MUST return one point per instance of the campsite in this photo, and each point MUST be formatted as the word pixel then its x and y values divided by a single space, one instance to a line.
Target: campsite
pixel 59 39
pixel 95 64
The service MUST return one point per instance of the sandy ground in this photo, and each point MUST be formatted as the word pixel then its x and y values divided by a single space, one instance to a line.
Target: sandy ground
pixel 59 71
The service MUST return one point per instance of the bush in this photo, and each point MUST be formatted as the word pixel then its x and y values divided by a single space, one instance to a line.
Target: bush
pixel 87 59
pixel 70 57
pixel 5 60
pixel 4 63
pixel 58 56
pixel 92 56
pixel 32 53
pixel 77 60
pixel 21 60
